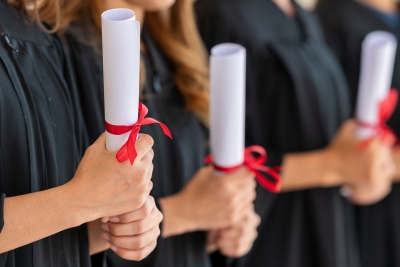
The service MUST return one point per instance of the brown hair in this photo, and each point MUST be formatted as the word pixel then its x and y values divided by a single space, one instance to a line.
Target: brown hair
pixel 174 30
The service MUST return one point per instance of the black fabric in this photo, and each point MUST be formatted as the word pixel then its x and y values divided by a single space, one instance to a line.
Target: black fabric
pixel 175 161
pixel 347 23
pixel 2 196
pixel 41 133
pixel 296 100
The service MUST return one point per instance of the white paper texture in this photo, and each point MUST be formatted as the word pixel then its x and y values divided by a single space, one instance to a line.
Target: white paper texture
pixel 377 62
pixel 227 104
pixel 121 60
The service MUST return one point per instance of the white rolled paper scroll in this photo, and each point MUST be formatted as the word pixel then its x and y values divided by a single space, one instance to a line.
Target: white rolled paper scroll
pixel 121 60
pixel 377 62
pixel 227 104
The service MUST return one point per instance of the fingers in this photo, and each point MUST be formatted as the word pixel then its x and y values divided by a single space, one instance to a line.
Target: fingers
pixel 143 145
pixel 153 219
pixel 237 249
pixel 367 195
pixel 135 255
pixel 148 157
pixel 237 241
pixel 149 188
pixel 238 246
pixel 212 236
pixel 136 215
pixel 135 242
pixel 211 247
pixel 250 222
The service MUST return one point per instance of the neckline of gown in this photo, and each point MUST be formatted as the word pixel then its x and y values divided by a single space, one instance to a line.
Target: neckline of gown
pixel 269 23
pixel 21 28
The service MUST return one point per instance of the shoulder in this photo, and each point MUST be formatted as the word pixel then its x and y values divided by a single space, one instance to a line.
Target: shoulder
pixel 343 15
pixel 18 26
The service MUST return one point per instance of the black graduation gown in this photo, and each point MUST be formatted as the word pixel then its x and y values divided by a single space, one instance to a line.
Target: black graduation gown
pixel 41 138
pixel 347 23
pixel 175 161
pixel 296 100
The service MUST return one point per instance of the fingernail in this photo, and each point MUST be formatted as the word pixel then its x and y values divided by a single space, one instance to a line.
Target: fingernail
pixel 114 219
pixel 114 248
pixel 105 227
pixel 346 191
pixel 105 236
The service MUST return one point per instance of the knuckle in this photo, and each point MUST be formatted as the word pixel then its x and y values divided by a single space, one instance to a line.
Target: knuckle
pixel 123 254
pixel 139 201
pixel 158 233
pixel 140 227
pixel 147 140
pixel 141 171
pixel 141 255
pixel 160 217
pixel 146 210
pixel 242 232
pixel 139 243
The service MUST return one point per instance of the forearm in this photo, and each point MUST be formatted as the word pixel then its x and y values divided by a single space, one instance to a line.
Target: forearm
pixel 309 170
pixel 96 243
pixel 175 222
pixel 31 217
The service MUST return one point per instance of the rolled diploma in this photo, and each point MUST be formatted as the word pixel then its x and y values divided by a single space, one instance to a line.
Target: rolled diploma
pixel 121 60
pixel 378 57
pixel 227 104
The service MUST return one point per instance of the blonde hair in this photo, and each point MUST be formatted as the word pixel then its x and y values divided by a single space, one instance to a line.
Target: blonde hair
pixel 174 30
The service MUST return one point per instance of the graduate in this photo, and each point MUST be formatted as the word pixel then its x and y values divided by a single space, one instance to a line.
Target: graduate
pixel 49 204
pixel 346 25
pixel 174 87
pixel 297 107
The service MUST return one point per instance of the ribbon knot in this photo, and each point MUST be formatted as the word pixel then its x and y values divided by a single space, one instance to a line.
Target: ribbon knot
pixel 382 130
pixel 256 165
pixel 128 150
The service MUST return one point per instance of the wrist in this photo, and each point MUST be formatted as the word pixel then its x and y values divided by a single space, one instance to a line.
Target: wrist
pixel 330 164
pixel 72 205
pixel 176 219
pixel 313 169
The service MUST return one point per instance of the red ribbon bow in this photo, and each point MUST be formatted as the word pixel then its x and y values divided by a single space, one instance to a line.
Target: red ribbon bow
pixel 383 131
pixel 128 150
pixel 256 165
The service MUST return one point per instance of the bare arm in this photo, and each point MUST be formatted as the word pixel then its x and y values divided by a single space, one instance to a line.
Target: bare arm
pixel 309 170
pixel 31 217
pixel 101 187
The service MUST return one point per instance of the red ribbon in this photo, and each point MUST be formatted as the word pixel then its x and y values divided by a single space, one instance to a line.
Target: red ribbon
pixel 256 165
pixel 383 131
pixel 128 150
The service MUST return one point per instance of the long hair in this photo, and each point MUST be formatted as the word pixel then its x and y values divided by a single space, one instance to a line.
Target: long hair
pixel 174 30
pixel 40 10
